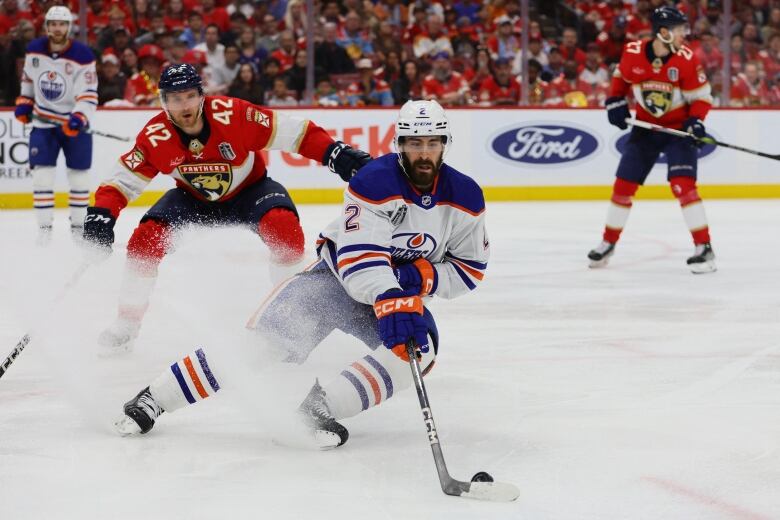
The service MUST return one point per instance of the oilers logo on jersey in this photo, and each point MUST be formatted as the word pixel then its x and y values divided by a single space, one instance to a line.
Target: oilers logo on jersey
pixel 417 245
pixel 52 85
pixel 212 180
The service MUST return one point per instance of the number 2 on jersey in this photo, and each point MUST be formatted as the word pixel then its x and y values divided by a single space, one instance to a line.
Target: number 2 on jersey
pixel 352 211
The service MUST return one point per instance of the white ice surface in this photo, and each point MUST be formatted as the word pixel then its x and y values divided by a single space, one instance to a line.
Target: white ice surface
pixel 639 391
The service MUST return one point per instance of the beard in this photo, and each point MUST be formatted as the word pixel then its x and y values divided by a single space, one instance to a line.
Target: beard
pixel 422 179
pixel 58 39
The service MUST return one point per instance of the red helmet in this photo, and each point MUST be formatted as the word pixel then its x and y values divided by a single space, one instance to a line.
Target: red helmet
pixel 194 57
pixel 151 51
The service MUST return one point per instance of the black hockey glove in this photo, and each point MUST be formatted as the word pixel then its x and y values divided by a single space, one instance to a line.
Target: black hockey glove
pixel 343 160
pixel 694 125
pixel 617 111
pixel 99 228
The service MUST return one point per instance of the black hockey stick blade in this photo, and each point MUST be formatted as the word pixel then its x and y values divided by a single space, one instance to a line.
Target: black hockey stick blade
pixel 14 354
pixel 491 491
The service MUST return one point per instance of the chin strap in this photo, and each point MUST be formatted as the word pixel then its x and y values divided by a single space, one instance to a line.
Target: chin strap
pixel 668 42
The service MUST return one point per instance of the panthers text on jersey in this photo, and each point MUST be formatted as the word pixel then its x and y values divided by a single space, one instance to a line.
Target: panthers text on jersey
pixel 59 82
pixel 387 222
pixel 667 90
pixel 218 163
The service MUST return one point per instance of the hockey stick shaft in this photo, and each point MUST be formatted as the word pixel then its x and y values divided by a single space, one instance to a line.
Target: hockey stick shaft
pixel 492 491
pixel 88 130
pixel 706 140
pixel 28 336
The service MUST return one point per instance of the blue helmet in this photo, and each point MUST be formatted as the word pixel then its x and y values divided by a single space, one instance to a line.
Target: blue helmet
pixel 667 17
pixel 176 78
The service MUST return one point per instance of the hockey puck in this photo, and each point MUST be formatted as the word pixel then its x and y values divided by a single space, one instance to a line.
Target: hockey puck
pixel 482 476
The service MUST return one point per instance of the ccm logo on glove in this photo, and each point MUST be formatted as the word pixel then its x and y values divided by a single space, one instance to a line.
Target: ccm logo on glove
pixel 410 304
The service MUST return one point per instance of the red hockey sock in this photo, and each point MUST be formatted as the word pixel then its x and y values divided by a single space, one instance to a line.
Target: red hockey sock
pixel 149 243
pixel 281 230
pixel 622 192
pixel 684 188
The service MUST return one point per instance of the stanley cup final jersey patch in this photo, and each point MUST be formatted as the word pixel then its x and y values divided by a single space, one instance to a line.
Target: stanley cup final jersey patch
pixel 212 180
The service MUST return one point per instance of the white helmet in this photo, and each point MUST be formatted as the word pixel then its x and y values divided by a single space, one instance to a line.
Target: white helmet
pixel 422 118
pixel 59 13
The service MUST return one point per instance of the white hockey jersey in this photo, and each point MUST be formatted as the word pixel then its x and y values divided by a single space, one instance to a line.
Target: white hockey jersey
pixel 59 82
pixel 387 222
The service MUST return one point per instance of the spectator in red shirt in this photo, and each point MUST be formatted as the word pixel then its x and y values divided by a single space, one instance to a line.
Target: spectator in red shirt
pixel 500 88
pixel 569 49
pixel 596 75
pixel 433 40
pixel 409 85
pixel 445 85
pixel 738 55
pixel 748 89
pixel 10 15
pixel 286 51
pixel 174 15
pixel 770 57
pixel 215 15
pixel 709 55
pixel 611 43
pixel 567 90
pixel 638 25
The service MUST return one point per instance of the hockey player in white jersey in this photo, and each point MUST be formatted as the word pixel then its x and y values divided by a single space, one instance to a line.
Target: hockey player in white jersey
pixel 412 227
pixel 59 97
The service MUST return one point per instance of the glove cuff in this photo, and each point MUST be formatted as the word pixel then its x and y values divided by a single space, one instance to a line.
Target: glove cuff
pixel 331 152
pixel 394 301
pixel 428 276
pixel 24 100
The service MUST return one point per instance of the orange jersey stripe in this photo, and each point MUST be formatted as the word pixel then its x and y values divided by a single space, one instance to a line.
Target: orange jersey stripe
pixel 473 272
pixel 371 381
pixel 195 379
pixel 348 261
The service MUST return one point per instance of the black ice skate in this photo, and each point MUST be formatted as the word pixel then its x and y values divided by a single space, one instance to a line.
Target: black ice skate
pixel 327 432
pixel 140 413
pixel 703 259
pixel 599 257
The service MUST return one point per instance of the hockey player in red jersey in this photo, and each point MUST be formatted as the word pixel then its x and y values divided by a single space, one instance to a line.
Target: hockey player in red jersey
pixel 211 146
pixel 670 89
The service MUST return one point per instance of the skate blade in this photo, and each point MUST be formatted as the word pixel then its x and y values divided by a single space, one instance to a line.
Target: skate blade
pixel 703 268
pixel 319 440
pixel 598 264
pixel 127 427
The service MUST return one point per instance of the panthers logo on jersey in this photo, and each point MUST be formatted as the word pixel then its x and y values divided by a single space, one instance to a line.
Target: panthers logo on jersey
pixel 657 97
pixel 52 85
pixel 212 180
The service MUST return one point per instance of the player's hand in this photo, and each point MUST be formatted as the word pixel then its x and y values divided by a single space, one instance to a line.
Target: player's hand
pixel 695 126
pixel 419 276
pixel 343 160
pixel 99 229
pixel 76 123
pixel 400 315
pixel 23 110
pixel 617 111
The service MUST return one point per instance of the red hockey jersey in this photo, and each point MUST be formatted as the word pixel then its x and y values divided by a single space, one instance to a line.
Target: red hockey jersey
pixel 220 167
pixel 667 91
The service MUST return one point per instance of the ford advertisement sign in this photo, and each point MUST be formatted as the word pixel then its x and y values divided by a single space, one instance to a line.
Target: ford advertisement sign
pixel 620 146
pixel 544 144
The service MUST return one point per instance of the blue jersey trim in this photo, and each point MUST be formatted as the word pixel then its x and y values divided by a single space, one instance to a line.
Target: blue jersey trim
pixel 362 266
pixel 464 277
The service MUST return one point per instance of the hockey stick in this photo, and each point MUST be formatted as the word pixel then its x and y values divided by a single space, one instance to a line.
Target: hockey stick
pixel 87 130
pixel 481 486
pixel 705 140
pixel 27 337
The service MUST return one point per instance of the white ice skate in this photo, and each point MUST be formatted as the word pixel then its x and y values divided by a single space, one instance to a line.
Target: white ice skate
pixel 703 260
pixel 599 257
pixel 118 338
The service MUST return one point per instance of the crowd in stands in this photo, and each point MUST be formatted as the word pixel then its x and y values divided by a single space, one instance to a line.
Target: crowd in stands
pixel 384 52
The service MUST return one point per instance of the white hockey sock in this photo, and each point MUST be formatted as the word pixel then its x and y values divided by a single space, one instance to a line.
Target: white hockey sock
pixel 185 382
pixel 369 381
pixel 43 194
pixel 617 216
pixel 136 289
pixel 695 216
pixel 79 196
